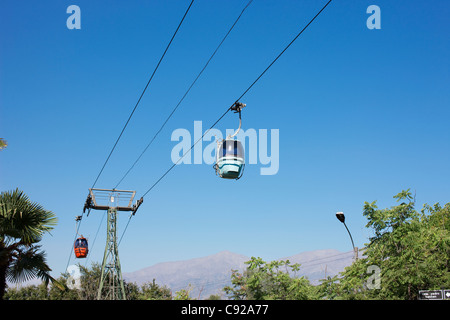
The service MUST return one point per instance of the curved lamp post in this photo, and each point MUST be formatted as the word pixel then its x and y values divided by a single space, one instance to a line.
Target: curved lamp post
pixel 340 216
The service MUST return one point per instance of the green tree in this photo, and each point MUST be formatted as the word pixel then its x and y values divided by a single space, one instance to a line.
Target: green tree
pixel 184 294
pixel 89 282
pixel 152 291
pixel 87 289
pixel 411 250
pixel 270 281
pixel 22 225
pixel 3 143
pixel 30 292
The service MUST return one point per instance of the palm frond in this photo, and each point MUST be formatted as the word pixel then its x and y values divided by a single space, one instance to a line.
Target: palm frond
pixel 29 263
pixel 22 219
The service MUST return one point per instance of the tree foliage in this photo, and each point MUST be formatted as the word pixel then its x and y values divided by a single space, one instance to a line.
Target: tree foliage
pixel 87 288
pixel 22 225
pixel 3 143
pixel 275 280
pixel 152 291
pixel 410 248
pixel 408 251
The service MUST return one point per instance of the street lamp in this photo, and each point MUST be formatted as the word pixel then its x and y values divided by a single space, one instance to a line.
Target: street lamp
pixel 340 216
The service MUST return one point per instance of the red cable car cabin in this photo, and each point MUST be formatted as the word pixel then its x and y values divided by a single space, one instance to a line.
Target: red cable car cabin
pixel 81 247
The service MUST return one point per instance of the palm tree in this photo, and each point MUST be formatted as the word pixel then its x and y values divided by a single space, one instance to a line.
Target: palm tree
pixel 22 225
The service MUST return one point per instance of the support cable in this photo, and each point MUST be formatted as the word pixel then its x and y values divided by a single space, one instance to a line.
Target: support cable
pixel 142 94
pixel 95 238
pixel 176 107
pixel 281 53
pixel 76 236
pixel 223 115
pixel 233 105
pixel 134 109
pixel 185 94
pixel 242 95
pixel 120 240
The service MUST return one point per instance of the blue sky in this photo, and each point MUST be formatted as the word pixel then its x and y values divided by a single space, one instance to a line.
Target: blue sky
pixel 361 114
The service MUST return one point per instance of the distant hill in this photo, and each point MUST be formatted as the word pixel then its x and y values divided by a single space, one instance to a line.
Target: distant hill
pixel 208 275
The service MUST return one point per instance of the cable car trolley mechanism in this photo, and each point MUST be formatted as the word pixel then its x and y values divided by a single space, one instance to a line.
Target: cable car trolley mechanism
pixel 230 156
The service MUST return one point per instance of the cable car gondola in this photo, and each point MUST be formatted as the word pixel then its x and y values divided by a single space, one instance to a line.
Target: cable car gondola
pixel 230 159
pixel 230 156
pixel 81 247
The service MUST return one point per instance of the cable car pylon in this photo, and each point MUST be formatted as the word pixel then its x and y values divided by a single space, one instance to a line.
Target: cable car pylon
pixel 111 286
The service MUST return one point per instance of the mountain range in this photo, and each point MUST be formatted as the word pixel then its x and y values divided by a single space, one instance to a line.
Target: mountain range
pixel 208 275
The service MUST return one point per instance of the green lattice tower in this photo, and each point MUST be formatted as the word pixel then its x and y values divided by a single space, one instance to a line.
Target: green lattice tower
pixel 111 285
pixel 111 282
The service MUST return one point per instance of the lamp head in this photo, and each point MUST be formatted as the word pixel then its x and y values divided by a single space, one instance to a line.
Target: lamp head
pixel 340 216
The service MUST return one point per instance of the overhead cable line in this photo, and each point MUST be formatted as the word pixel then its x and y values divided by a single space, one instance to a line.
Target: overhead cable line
pixel 185 94
pixel 241 96
pixel 306 263
pixel 120 240
pixel 78 220
pixel 142 94
pixel 324 262
pixel 176 107
pixel 281 53
pixel 95 238
pixel 131 115
pixel 223 115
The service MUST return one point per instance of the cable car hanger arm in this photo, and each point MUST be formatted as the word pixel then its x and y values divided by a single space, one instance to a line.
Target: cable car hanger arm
pixel 237 107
